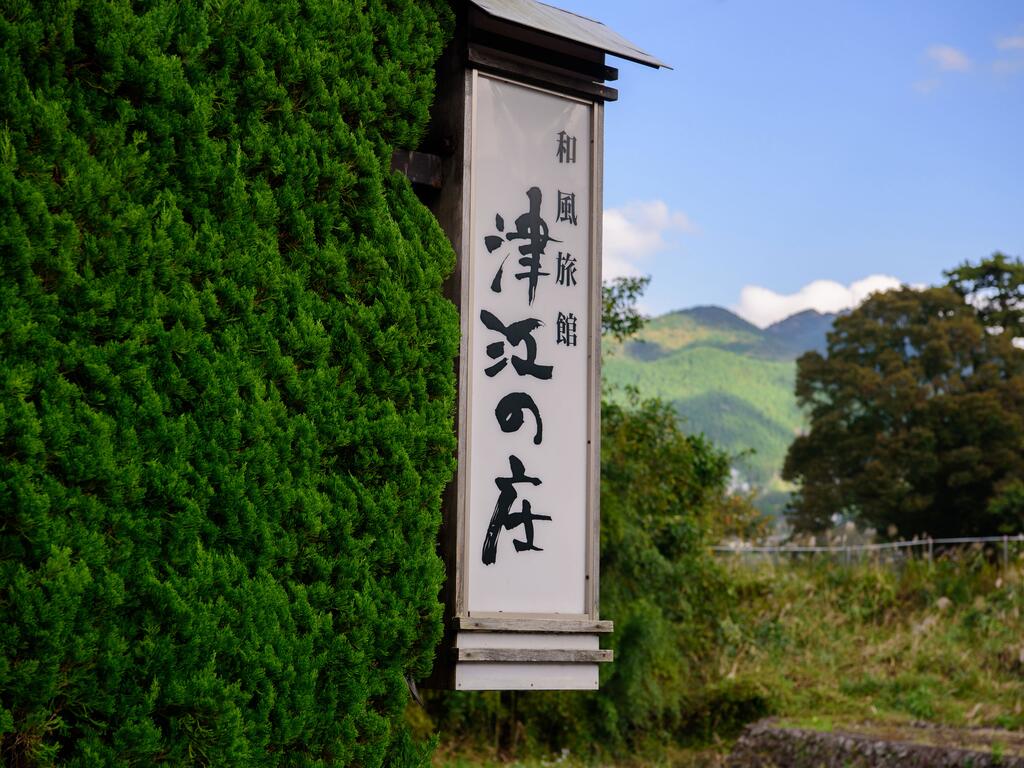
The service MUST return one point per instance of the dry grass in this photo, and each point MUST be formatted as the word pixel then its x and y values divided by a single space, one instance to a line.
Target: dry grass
pixel 940 642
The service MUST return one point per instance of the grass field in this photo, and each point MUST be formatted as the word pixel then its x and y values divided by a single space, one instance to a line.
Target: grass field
pixel 940 642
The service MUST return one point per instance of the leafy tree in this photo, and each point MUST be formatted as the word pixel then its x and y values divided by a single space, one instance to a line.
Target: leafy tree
pixel 916 413
pixel 620 317
pixel 225 382
pixel 995 287
pixel 661 492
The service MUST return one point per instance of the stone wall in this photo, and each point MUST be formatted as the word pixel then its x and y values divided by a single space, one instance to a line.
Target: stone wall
pixel 767 744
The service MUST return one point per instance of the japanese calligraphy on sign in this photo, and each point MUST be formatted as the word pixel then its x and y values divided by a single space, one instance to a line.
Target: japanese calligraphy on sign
pixel 529 366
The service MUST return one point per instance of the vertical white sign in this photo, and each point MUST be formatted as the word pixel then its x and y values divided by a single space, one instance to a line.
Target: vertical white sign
pixel 526 537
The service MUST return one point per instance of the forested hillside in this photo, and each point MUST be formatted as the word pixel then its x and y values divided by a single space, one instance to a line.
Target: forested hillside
pixel 726 378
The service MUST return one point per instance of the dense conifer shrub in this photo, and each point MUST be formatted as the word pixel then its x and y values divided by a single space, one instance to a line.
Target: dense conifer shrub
pixel 225 382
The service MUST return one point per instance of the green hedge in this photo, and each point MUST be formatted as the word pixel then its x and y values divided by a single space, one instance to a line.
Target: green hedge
pixel 226 366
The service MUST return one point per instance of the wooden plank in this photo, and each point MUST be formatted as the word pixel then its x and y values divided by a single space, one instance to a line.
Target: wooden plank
pixel 543 626
pixel 533 655
pixel 418 167
pixel 466 325
pixel 535 72
pixel 588 64
pixel 593 594
pixel 448 138
pixel 496 676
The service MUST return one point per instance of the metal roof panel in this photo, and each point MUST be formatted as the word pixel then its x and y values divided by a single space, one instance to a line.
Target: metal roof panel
pixel 572 26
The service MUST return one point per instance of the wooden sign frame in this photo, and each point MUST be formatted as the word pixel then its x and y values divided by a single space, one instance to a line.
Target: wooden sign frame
pixel 563 56
pixel 515 650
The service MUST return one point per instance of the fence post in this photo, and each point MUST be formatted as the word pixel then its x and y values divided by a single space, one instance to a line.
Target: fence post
pixel 1006 552
pixel 931 549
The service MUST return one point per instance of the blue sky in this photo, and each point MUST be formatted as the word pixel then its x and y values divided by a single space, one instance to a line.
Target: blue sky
pixel 804 152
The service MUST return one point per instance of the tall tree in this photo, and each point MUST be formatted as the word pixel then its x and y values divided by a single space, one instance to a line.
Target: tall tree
pixel 995 287
pixel 916 414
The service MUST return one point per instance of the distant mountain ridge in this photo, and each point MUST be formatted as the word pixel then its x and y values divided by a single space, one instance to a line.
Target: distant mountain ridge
pixel 726 378
pixel 792 333
pixel 804 331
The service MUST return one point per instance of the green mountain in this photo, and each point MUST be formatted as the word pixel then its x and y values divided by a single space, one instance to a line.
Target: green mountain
pixel 726 378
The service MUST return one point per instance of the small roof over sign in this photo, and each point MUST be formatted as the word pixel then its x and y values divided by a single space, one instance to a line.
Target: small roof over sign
pixel 555 21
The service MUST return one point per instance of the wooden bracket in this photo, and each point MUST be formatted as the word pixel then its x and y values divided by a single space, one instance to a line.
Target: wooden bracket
pixel 418 167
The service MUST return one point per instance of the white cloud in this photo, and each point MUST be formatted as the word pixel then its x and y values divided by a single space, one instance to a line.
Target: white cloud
pixel 763 306
pixel 949 59
pixel 637 231
pixel 926 86
pixel 1011 43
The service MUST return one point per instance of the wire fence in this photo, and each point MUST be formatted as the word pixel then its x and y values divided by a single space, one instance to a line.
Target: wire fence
pixel 925 547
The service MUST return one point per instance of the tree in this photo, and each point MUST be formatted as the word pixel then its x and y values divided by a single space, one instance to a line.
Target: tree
pixel 620 317
pixel 916 418
pixel 995 287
